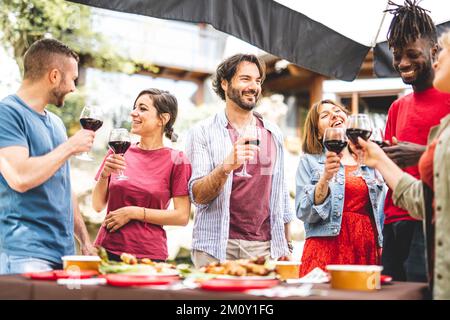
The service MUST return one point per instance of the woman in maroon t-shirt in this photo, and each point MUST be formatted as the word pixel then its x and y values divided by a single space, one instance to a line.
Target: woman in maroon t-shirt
pixel 137 208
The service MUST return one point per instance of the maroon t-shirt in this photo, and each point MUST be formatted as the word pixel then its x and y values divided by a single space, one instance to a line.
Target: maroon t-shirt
pixel 410 119
pixel 250 197
pixel 154 177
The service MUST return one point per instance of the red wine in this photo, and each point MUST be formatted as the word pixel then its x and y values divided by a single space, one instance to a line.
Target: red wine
pixel 91 124
pixel 353 134
pixel 335 145
pixel 119 147
pixel 254 142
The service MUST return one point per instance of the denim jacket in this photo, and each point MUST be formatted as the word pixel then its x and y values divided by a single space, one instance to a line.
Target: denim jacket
pixel 325 219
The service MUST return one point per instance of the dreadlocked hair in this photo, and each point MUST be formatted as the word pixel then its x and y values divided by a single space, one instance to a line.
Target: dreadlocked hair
pixel 410 22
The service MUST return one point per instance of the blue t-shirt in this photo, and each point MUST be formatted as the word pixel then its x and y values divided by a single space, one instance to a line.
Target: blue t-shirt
pixel 39 222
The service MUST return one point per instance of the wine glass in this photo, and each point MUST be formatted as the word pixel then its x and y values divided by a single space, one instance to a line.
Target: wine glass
pixel 335 140
pixel 358 125
pixel 253 134
pixel 90 119
pixel 119 142
pixel 378 137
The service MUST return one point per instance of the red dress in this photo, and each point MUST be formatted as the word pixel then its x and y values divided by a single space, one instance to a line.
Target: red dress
pixel 357 240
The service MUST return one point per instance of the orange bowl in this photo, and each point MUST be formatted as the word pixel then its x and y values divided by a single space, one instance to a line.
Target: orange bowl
pixel 81 262
pixel 355 277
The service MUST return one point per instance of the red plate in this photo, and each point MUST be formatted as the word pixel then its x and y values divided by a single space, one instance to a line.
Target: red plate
pixel 47 275
pixel 61 274
pixel 237 285
pixel 385 279
pixel 123 280
pixel 82 274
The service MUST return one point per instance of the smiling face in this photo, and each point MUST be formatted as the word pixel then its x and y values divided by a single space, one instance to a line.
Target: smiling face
pixel 145 118
pixel 330 116
pixel 245 86
pixel 63 81
pixel 413 62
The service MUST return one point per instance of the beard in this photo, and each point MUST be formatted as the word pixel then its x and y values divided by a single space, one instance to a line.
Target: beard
pixel 57 97
pixel 237 97
pixel 423 74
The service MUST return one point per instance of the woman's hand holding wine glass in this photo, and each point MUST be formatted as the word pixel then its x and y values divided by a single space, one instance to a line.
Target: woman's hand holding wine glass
pixel 114 163
pixel 372 153
pixel 332 164
pixel 358 126
pixel 334 140
pixel 119 142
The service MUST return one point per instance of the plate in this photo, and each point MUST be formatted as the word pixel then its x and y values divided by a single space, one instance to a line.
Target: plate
pixel 237 284
pixel 385 279
pixel 79 274
pixel 136 269
pixel 253 278
pixel 168 273
pixel 125 280
pixel 60 274
pixel 46 275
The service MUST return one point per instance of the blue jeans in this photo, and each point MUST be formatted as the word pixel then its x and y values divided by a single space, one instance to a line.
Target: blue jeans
pixel 403 255
pixel 11 264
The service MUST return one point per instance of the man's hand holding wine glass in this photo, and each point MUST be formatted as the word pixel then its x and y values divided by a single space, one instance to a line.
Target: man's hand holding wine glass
pixel 81 141
pixel 242 151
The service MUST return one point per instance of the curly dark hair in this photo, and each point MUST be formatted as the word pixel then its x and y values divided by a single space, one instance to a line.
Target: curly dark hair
pixel 164 102
pixel 227 69
pixel 409 23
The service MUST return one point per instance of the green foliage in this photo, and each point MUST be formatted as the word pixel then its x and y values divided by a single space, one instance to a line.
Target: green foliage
pixel 24 21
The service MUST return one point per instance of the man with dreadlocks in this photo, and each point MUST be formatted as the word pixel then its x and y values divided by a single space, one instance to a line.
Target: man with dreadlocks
pixel 413 41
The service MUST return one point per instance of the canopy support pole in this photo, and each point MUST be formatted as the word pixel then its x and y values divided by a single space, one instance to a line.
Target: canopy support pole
pixel 374 42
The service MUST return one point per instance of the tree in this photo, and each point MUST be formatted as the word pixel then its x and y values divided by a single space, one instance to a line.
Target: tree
pixel 24 21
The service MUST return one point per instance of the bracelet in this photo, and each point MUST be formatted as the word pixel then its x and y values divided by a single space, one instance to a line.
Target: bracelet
pixel 103 177
pixel 144 213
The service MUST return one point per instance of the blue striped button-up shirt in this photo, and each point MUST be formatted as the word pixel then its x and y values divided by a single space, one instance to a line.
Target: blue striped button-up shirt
pixel 208 144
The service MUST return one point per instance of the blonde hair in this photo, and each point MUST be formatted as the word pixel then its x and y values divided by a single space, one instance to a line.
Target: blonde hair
pixel 444 39
pixel 311 143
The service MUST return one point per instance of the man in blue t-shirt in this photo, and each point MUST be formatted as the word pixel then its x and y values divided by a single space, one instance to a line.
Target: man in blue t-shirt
pixel 37 216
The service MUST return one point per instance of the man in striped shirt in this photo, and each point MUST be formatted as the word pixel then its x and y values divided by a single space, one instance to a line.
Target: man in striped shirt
pixel 238 216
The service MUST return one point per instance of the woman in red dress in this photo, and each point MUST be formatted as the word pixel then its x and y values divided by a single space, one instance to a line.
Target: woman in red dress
pixel 343 220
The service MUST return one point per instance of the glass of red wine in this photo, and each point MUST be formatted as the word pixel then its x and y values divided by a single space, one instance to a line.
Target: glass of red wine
pixel 90 119
pixel 253 134
pixel 335 140
pixel 378 137
pixel 119 142
pixel 358 125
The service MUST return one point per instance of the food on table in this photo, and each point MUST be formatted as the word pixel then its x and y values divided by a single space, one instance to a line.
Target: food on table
pixel 128 258
pixel 240 268
pixel 133 266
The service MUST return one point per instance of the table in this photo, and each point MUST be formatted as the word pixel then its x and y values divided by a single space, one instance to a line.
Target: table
pixel 16 287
